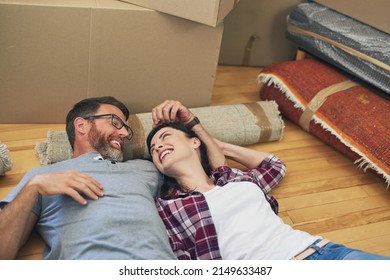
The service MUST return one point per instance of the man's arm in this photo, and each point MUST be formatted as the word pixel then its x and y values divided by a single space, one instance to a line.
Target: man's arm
pixel 16 223
pixel 17 219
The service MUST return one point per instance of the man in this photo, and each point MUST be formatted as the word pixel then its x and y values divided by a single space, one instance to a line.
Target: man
pixel 93 206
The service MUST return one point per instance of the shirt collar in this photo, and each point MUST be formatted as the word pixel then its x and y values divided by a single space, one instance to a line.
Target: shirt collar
pixel 98 157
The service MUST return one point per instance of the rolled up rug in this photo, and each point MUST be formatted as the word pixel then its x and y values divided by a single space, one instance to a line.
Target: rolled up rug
pixel 328 104
pixel 5 160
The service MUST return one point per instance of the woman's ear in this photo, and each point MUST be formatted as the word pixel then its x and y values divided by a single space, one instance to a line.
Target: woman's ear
pixel 196 142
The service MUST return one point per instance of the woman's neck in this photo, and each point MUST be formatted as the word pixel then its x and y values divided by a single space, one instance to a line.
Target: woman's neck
pixel 195 180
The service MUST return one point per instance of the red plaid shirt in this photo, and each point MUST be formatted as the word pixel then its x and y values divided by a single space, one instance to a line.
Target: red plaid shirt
pixel 187 217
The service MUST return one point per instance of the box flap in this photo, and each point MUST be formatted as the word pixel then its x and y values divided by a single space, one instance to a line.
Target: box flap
pixel 209 12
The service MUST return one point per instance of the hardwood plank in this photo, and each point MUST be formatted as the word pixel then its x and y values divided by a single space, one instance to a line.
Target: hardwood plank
pixel 384 252
pixel 360 234
pixel 338 208
pixel 34 246
pixel 297 174
pixel 37 256
pixel 375 245
pixel 376 189
pixel 287 189
pixel 12 132
pixel 315 199
pixel 348 220
pixel 4 191
pixel 23 161
pixel 10 180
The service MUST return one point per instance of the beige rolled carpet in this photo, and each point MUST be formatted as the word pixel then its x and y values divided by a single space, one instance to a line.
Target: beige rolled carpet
pixel 240 124
pixel 5 160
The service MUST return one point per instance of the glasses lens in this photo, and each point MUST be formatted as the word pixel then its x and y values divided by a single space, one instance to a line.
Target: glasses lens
pixel 117 122
pixel 130 132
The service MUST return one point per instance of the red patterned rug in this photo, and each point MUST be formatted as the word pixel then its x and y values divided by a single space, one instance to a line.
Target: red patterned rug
pixel 349 117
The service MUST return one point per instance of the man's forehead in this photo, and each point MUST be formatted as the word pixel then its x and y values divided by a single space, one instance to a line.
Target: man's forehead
pixel 110 109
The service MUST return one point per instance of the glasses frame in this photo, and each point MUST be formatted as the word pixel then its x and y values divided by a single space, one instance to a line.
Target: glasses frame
pixel 113 116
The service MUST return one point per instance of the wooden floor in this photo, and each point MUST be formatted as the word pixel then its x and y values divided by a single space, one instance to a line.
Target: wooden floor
pixel 323 192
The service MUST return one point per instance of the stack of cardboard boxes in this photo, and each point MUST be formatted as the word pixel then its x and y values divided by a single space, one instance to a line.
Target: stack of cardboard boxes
pixel 55 53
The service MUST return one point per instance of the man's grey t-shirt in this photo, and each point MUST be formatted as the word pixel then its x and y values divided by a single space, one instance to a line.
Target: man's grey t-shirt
pixel 123 224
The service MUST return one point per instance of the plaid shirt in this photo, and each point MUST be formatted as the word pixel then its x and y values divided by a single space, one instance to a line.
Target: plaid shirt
pixel 187 217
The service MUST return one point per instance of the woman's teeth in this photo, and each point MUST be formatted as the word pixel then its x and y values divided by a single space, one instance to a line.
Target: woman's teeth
pixel 164 153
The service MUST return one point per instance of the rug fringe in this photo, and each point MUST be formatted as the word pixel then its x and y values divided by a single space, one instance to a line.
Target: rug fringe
pixel 363 163
pixel 5 160
pixel 269 79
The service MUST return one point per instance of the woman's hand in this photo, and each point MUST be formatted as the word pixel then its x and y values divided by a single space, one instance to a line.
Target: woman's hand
pixel 171 111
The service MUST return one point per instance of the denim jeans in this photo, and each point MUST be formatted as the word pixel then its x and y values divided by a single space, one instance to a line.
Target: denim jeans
pixel 333 251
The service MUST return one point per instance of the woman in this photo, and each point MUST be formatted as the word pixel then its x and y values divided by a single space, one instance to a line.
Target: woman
pixel 212 211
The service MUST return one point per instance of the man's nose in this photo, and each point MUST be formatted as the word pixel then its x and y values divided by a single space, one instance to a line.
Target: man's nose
pixel 124 132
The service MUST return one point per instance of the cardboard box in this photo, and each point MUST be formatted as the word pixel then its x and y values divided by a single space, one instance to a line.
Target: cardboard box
pixel 374 12
pixel 210 12
pixel 55 53
pixel 254 33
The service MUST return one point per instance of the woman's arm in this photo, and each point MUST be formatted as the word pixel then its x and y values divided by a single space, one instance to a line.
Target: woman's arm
pixel 214 152
pixel 265 169
pixel 250 158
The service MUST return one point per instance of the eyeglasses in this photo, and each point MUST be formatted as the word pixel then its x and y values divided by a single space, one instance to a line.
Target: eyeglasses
pixel 115 121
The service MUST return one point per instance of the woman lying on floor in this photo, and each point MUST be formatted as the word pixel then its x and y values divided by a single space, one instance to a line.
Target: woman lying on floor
pixel 212 211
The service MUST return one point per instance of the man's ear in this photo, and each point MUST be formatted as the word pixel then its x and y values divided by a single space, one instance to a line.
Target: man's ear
pixel 80 125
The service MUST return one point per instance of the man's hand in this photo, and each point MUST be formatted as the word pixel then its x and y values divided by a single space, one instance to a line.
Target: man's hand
pixel 70 183
pixel 171 111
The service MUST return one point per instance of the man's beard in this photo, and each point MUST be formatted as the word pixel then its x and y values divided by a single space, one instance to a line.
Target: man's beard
pixel 101 145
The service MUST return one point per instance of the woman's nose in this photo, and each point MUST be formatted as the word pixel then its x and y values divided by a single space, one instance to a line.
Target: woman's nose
pixel 159 146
